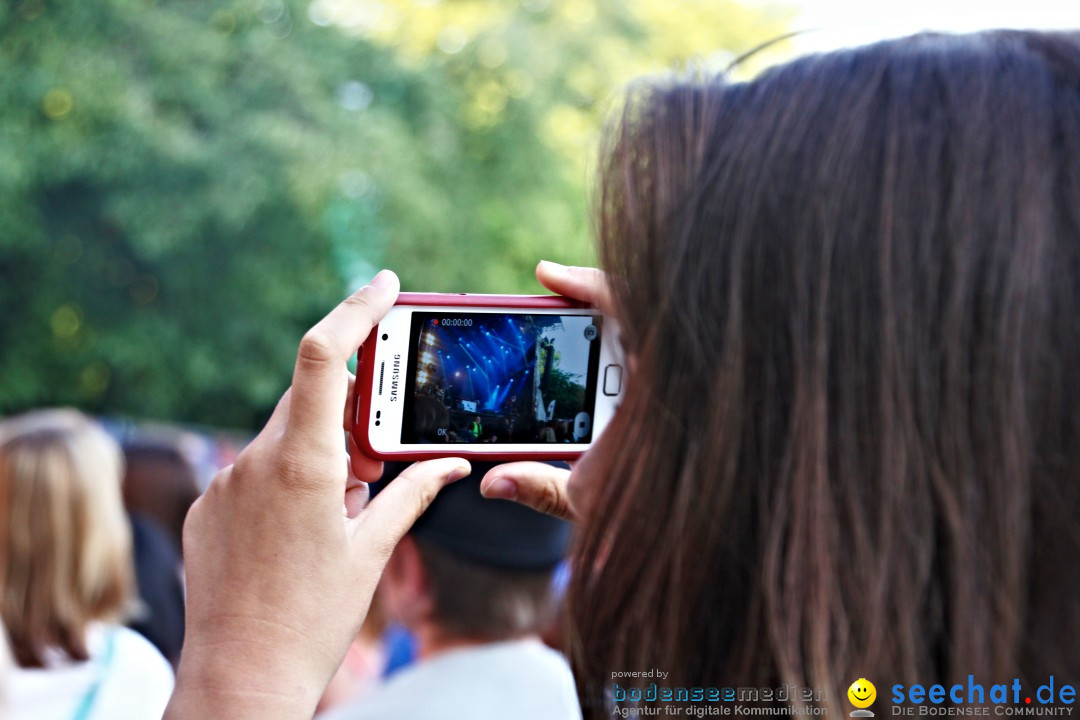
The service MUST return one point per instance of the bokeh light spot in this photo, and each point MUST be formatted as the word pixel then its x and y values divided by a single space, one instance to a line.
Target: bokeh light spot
pixel 58 103
pixel 519 84
pixel 492 53
pixel 490 97
pixel 355 184
pixel 223 21
pixel 319 15
pixel 452 39
pixel 94 379
pixel 31 9
pixel 65 321
pixel 271 11
pixel 354 95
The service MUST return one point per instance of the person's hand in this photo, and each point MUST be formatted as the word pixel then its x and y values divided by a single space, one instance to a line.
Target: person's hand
pixel 281 555
pixel 542 487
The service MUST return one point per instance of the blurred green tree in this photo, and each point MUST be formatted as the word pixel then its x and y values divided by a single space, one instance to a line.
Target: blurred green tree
pixel 185 187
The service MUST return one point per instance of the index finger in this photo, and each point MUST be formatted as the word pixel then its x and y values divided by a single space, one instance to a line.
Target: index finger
pixel 320 385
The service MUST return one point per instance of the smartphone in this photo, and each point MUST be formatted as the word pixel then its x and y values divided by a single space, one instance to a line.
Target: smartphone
pixel 495 377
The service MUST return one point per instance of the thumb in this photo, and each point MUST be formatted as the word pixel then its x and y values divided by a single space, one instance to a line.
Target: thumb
pixel 537 485
pixel 394 510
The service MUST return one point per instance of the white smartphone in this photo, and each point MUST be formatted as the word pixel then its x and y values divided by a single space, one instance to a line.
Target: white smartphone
pixel 502 377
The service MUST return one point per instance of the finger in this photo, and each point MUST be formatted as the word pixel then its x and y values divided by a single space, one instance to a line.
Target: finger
pixel 361 466
pixel 536 485
pixel 581 283
pixel 320 380
pixel 394 510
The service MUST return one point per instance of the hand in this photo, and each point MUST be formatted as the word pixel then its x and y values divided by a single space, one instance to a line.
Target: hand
pixel 542 487
pixel 282 557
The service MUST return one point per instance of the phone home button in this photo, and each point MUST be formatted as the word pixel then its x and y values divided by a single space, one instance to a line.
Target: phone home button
pixel 612 380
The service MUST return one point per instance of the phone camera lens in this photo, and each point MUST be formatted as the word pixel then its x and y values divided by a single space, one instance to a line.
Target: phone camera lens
pixel 384 336
pixel 377 423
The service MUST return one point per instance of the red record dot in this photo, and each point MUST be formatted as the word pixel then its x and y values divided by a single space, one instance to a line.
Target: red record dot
pixel 1027 700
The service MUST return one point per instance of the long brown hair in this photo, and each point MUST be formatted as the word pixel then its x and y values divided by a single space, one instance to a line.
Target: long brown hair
pixel 850 444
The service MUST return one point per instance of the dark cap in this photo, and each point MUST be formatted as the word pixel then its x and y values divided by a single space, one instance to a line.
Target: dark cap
pixel 496 533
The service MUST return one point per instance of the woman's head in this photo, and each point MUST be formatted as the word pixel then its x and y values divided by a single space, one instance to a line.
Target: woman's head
pixel 849 446
pixel 65 543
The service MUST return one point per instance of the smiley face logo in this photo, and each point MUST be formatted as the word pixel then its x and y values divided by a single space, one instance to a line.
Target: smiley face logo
pixel 862 693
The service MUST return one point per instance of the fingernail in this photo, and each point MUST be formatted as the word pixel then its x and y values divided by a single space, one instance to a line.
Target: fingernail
pixel 458 473
pixel 553 266
pixel 502 489
pixel 383 279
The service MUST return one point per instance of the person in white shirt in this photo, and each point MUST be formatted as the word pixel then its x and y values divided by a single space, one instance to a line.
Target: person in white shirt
pixel 67 576
pixel 472 581
pixel 124 677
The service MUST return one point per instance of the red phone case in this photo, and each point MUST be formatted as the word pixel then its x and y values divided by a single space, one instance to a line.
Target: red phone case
pixel 365 373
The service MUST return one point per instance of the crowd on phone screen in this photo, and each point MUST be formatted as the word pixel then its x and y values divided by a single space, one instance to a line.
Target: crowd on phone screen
pixel 503 430
pixel 434 423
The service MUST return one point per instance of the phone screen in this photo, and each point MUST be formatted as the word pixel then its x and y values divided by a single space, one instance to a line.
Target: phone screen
pixel 501 377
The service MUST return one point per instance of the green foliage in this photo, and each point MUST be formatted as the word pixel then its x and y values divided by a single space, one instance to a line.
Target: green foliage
pixel 565 388
pixel 185 187
pixel 567 391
